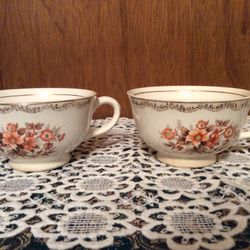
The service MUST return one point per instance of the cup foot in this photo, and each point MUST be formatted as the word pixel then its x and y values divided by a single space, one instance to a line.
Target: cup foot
pixel 39 165
pixel 187 162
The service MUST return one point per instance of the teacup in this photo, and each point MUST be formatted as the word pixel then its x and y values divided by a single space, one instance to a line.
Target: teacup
pixel 40 127
pixel 189 125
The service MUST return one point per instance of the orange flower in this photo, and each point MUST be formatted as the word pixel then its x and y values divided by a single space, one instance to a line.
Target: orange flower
pixel 12 139
pixel 201 124
pixel 12 127
pixel 197 136
pixel 47 135
pixel 229 132
pixel 29 143
pixel 213 139
pixel 168 133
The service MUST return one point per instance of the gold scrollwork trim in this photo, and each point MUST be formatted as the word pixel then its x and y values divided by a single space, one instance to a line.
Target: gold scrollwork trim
pixel 36 108
pixel 190 107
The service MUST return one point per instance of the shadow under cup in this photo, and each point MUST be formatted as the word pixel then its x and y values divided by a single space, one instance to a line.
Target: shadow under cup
pixel 189 125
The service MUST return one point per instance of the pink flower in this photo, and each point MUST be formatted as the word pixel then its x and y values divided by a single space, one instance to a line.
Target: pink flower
pixel 201 124
pixel 12 127
pixel 197 136
pixel 168 133
pixel 29 143
pixel 213 139
pixel 229 132
pixel 47 135
pixel 12 139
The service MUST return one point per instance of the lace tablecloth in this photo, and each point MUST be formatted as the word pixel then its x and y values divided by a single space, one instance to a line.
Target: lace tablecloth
pixel 114 194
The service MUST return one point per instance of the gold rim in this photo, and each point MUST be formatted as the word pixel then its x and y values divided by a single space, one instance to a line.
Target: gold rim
pixel 210 91
pixel 134 93
pixel 191 102
pixel 41 103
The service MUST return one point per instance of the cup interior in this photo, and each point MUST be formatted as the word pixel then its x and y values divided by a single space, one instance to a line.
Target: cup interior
pixel 43 95
pixel 190 93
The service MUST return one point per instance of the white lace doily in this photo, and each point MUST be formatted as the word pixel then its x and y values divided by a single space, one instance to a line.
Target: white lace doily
pixel 115 194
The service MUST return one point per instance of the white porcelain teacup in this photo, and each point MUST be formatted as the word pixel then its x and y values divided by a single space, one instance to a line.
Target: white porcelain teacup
pixel 189 125
pixel 40 127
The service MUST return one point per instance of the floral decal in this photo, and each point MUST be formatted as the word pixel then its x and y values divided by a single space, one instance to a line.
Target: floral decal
pixel 31 140
pixel 204 137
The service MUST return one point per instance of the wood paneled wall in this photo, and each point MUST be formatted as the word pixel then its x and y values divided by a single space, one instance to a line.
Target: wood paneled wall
pixel 111 46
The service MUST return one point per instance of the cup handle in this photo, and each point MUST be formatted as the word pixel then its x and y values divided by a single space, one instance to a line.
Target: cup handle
pixel 244 135
pixel 105 128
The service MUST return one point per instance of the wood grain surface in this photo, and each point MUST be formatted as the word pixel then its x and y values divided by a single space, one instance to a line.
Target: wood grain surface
pixel 111 46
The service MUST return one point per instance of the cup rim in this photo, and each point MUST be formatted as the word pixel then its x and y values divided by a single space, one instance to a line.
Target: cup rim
pixel 76 94
pixel 243 94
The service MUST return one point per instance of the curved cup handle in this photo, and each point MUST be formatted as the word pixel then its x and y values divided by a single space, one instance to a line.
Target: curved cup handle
pixel 244 135
pixel 105 128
